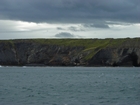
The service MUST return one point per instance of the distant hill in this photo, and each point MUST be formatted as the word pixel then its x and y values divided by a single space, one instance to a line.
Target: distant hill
pixel 70 52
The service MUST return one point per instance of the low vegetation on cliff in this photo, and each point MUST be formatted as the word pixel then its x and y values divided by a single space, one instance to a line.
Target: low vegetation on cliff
pixel 69 52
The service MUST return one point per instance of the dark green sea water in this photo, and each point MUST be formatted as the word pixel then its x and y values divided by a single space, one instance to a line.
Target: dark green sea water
pixel 69 86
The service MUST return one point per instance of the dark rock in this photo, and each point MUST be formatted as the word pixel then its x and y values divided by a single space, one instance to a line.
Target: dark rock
pixel 7 55
pixel 116 57
pixel 26 52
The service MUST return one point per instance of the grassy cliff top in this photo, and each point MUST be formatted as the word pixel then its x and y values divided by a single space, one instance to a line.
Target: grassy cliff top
pixel 92 45
pixel 88 44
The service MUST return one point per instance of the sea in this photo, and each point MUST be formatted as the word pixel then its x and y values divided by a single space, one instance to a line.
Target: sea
pixel 69 85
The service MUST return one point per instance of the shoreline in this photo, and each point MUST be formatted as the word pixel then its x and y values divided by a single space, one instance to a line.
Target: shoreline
pixel 63 66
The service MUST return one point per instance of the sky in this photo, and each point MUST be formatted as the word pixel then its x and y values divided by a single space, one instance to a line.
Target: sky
pixel 22 19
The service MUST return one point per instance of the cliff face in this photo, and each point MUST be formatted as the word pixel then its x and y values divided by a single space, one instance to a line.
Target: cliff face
pixel 7 54
pixel 27 52
pixel 116 57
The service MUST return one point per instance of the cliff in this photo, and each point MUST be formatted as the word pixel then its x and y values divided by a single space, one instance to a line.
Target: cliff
pixel 70 52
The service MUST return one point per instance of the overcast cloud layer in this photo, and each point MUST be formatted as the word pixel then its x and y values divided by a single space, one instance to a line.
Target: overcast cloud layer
pixel 70 10
pixel 69 18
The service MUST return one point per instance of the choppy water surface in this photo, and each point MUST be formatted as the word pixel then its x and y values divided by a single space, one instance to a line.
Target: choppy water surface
pixel 69 86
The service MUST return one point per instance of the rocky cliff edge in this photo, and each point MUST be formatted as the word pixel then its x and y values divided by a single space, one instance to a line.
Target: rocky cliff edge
pixel 70 52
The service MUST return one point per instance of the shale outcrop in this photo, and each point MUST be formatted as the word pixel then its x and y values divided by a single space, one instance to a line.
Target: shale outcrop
pixel 70 52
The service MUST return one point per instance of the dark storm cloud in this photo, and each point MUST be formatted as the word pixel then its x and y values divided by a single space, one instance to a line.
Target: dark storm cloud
pixel 71 11
pixel 64 35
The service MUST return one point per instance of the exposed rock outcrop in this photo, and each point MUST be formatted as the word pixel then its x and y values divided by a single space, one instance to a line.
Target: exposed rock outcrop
pixel 28 52
pixel 116 57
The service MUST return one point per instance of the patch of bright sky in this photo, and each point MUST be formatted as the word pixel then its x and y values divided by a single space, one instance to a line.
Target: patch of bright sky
pixel 19 29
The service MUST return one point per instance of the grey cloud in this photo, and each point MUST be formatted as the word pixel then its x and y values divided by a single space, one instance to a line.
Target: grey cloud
pixel 72 28
pixel 64 35
pixel 71 11
pixel 100 26
pixel 97 25
pixel 60 28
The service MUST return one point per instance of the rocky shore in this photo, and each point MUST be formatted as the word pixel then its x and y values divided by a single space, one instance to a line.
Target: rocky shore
pixel 70 52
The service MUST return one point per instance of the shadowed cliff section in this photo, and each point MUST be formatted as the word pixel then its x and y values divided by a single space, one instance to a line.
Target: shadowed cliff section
pixel 70 52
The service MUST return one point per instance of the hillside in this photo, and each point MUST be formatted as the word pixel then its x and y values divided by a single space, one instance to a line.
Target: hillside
pixel 70 52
